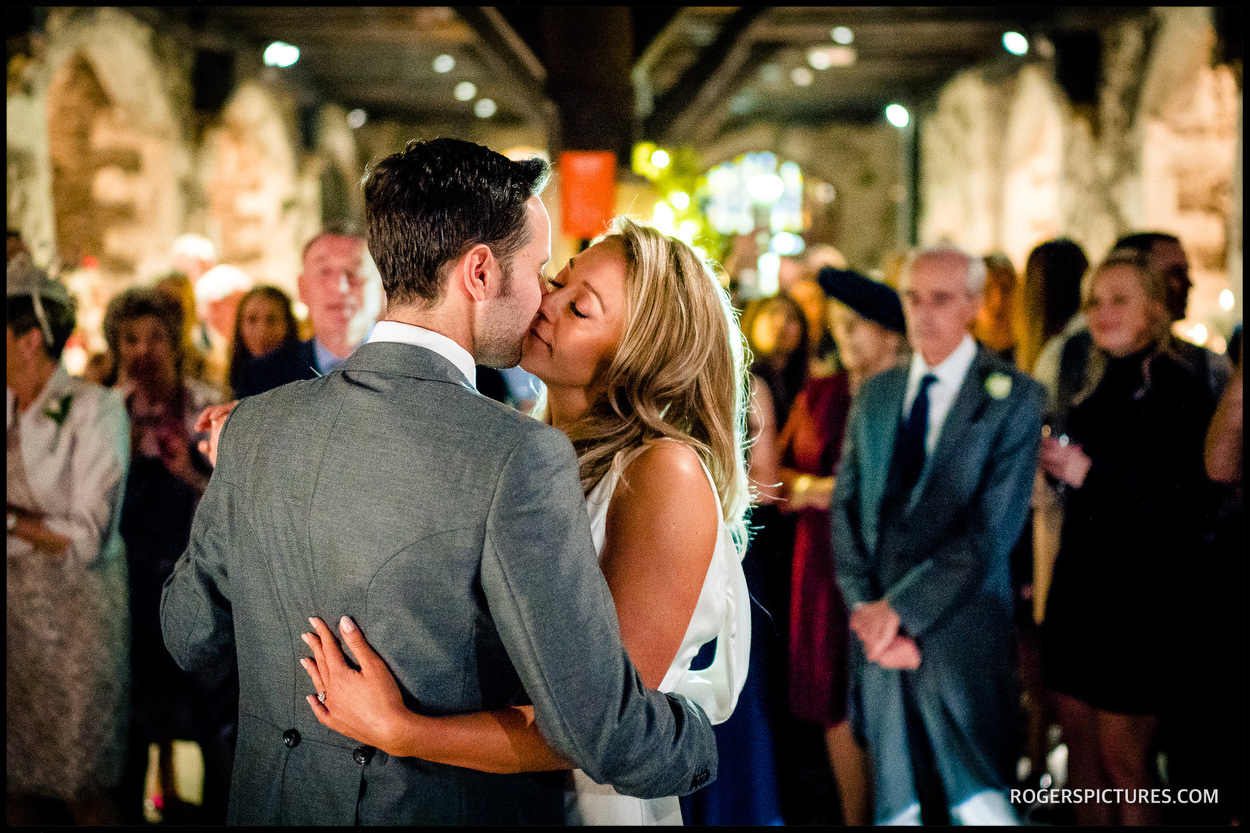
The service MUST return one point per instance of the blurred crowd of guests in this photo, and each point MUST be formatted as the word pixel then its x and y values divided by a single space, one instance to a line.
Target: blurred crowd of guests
pixel 1126 580
pixel 1127 576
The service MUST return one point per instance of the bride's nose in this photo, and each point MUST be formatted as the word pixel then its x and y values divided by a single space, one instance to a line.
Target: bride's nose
pixel 546 305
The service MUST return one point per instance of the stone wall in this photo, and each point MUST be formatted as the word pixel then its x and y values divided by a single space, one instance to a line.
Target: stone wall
pixel 1008 162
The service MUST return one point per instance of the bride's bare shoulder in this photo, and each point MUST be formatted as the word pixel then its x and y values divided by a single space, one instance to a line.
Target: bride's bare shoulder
pixel 667 463
pixel 663 478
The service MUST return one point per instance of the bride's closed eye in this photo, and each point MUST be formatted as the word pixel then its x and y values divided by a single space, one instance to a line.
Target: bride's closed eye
pixel 554 284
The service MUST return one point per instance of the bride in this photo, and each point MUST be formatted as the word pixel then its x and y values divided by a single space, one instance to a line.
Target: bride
pixel 637 345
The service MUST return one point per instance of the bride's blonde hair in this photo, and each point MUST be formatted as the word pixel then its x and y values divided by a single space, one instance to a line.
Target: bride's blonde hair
pixel 679 371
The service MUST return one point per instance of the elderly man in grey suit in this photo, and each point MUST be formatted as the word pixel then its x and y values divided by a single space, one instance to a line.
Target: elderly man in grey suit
pixel 932 492
pixel 452 527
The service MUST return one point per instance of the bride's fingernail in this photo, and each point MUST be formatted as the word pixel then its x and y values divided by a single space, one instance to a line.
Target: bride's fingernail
pixel 304 637
pixel 346 624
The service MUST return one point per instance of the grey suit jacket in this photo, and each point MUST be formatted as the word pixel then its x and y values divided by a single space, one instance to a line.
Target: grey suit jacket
pixel 455 531
pixel 947 553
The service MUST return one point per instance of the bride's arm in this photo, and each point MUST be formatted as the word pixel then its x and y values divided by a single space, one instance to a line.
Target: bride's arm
pixel 366 706
pixel 661 531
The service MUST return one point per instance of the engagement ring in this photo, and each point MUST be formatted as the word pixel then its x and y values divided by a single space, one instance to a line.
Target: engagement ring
pixel 321 697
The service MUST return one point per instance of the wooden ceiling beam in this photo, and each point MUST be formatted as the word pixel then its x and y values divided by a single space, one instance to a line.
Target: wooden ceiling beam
pixel 706 81
pixel 506 54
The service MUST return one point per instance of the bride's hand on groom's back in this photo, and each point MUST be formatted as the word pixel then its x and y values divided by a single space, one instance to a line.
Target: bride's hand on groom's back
pixel 364 705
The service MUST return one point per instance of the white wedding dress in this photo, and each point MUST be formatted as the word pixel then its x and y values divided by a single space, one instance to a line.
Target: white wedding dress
pixel 723 613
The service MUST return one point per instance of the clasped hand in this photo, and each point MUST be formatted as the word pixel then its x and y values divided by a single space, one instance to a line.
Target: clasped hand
pixel 876 624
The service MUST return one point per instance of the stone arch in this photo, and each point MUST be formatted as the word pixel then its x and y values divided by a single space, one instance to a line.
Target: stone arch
pixel 335 199
pixel 255 199
pixel 77 103
pixel 116 144
pixel 341 196
pixel 1032 166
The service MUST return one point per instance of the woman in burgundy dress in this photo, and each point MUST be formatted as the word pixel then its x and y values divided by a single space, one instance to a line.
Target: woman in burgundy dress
pixel 866 318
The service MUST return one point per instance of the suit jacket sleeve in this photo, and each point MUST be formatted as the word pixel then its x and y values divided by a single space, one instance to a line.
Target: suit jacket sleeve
pixel 990 528
pixel 853 565
pixel 196 618
pixel 556 618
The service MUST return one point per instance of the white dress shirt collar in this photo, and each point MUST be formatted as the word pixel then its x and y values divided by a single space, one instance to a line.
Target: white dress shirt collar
pixel 950 373
pixel 421 337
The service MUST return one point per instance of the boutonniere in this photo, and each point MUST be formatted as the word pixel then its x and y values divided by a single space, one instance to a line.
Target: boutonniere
pixel 58 413
pixel 998 385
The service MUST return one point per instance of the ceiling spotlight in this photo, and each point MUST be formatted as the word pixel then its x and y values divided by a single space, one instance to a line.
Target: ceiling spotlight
pixel 444 63
pixel 1015 43
pixel 818 59
pixel 357 118
pixel 841 56
pixel 897 115
pixel 681 201
pixel 660 159
pixel 742 103
pixel 279 54
pixel 1227 300
pixel 801 76
pixel 465 90
pixel 484 108
pixel 842 35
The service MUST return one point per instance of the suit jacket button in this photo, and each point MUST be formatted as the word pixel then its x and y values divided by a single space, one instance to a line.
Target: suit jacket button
pixel 362 754
pixel 291 738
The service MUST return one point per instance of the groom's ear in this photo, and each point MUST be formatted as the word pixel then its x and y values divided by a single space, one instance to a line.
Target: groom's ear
pixel 477 272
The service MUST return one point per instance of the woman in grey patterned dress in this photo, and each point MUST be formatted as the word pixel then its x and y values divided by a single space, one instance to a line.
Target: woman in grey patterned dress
pixel 67 641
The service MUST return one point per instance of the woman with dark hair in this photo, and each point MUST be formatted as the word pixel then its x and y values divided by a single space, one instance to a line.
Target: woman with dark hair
pixel 264 322
pixel 143 329
pixel 1051 298
pixel 67 635
pixel 1136 499
pixel 1049 303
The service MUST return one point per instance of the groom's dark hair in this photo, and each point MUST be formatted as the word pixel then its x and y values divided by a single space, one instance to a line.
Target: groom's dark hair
pixel 430 203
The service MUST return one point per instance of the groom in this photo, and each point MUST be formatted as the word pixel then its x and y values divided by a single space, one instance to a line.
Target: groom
pixel 451 527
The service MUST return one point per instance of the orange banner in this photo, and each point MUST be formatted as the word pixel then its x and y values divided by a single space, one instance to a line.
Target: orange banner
pixel 587 192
